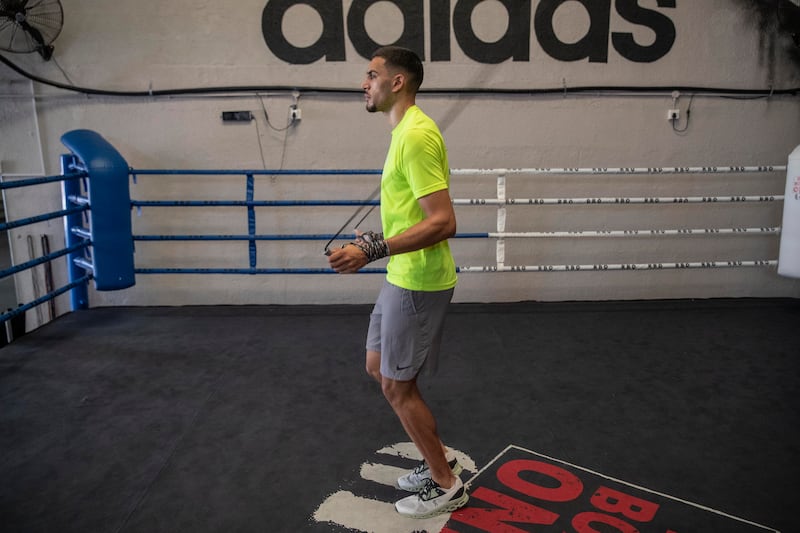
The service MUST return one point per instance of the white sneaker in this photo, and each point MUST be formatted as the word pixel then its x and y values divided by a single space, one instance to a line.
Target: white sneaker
pixel 433 500
pixel 415 480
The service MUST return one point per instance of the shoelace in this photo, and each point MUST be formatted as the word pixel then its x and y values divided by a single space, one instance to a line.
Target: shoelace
pixel 430 491
pixel 420 468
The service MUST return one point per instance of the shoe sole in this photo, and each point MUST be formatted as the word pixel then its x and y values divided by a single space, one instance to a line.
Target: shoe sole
pixel 453 505
pixel 456 471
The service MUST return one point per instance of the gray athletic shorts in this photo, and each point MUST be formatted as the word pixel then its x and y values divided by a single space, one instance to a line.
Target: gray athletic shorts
pixel 406 328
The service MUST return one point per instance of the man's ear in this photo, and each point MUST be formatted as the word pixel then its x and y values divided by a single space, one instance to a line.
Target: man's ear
pixel 398 82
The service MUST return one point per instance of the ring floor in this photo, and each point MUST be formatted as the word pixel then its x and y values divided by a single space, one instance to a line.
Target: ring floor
pixel 243 419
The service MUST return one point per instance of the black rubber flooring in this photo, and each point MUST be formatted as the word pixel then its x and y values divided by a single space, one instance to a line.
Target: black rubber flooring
pixel 240 419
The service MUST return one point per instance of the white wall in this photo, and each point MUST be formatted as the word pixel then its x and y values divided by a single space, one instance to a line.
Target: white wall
pixel 144 45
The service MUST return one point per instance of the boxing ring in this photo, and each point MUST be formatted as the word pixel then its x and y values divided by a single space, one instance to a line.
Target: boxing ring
pixel 99 238
pixel 204 418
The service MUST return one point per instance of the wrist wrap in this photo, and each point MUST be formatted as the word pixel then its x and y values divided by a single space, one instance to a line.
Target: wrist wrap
pixel 373 245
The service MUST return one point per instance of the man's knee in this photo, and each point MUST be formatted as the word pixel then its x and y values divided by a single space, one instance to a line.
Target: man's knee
pixel 397 392
pixel 389 389
pixel 373 365
pixel 374 374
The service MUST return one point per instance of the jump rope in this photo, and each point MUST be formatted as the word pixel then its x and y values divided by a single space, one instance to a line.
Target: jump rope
pixel 354 215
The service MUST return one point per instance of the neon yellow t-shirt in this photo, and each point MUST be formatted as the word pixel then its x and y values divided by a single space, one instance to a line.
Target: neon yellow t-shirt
pixel 416 166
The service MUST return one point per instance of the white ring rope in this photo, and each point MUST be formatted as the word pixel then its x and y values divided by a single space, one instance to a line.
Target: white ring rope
pixel 502 200
pixel 722 169
pixel 626 266
pixel 635 232
pixel 620 201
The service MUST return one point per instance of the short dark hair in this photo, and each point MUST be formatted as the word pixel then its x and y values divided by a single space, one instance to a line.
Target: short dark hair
pixel 405 59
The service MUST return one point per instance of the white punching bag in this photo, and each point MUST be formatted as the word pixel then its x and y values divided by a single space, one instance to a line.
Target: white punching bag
pixel 789 256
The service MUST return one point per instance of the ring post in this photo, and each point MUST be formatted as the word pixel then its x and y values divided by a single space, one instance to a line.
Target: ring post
pixel 79 295
pixel 789 254
pixel 109 213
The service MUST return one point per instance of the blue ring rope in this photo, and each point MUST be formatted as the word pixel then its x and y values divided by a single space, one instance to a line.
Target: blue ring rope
pixel 39 181
pixel 43 259
pixel 41 218
pixel 46 298
pixel 285 172
pixel 250 271
pixel 248 203
pixel 272 237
